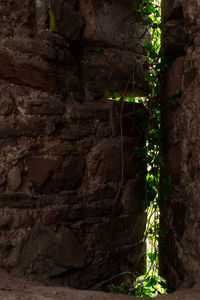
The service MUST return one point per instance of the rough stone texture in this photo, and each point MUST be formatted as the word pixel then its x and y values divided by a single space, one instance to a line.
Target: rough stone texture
pixel 12 288
pixel 68 212
pixel 174 36
pixel 180 262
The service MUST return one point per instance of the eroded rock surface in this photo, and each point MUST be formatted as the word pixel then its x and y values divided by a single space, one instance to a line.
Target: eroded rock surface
pixel 180 261
pixel 21 289
pixel 64 197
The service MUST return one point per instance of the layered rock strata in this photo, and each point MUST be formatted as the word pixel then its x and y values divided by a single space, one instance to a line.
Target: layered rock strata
pixel 70 202
pixel 180 261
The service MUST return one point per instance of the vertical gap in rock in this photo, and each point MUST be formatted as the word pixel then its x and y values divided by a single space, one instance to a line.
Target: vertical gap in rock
pixel 150 284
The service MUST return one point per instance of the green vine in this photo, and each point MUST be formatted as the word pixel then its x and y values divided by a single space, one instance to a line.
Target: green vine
pixel 151 284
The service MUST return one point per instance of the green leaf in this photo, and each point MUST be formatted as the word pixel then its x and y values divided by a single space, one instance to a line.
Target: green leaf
pixel 163 284
pixel 152 256
pixel 151 8
pixel 147 21
pixel 98 51
pixel 178 91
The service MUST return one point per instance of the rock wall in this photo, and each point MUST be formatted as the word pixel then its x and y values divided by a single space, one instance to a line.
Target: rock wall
pixel 69 198
pixel 180 260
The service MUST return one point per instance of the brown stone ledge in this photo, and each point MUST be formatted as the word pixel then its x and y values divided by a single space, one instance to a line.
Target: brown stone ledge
pixel 12 288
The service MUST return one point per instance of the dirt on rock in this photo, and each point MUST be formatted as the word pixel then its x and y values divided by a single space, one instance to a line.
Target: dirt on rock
pixel 13 288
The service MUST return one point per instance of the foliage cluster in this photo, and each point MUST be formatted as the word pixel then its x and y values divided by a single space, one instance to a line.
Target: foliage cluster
pixel 151 284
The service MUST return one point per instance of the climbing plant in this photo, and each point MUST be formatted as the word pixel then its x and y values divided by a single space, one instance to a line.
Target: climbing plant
pixel 151 284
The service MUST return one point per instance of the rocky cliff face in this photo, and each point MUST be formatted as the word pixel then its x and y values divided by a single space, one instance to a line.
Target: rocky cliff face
pixel 180 261
pixel 68 211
